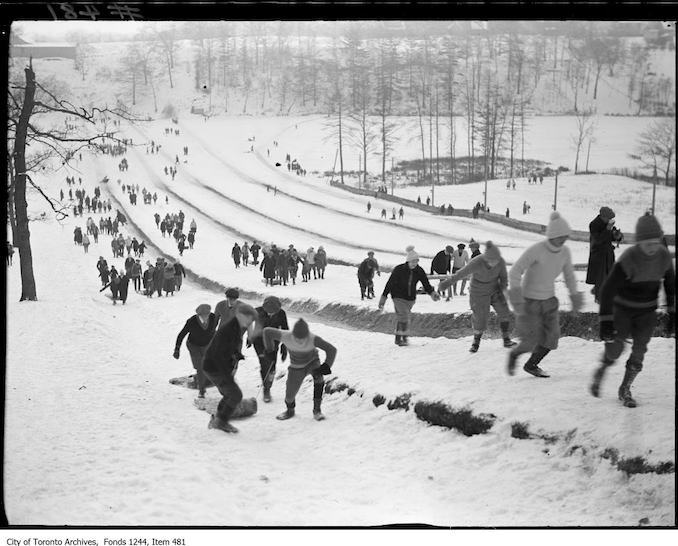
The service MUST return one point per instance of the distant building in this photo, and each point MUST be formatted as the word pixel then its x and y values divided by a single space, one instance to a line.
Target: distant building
pixel 21 48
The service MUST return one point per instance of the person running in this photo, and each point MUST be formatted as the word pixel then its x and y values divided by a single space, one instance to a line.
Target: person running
pixel 302 346
pixel 441 265
pixel 220 365
pixel 200 329
pixel 532 295
pixel 488 283
pixel 270 315
pixel 402 285
pixel 628 303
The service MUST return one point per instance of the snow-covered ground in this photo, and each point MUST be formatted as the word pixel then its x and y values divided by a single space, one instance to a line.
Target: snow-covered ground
pixel 95 434
pixel 125 447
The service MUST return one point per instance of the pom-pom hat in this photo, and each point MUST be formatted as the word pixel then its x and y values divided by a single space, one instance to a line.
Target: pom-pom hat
pixel 557 227
pixel 648 227
pixel 411 254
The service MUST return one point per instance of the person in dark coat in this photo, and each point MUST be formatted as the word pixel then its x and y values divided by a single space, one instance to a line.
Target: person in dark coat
pixel 158 276
pixel 254 249
pixel 114 284
pixel 148 279
pixel 168 279
pixel 402 285
pixel 123 287
pixel 268 267
pixel 270 315
pixel 221 364
pixel 136 275
pixel 236 253
pixel 366 271
pixel 474 246
pixel 200 329
pixel 601 249
pixel 179 275
pixel 191 239
pixel 441 265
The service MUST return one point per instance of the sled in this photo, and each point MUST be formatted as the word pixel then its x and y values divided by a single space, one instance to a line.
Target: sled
pixel 246 407
pixel 189 382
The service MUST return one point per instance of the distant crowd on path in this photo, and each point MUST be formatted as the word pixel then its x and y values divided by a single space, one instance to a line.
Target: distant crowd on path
pixel 133 190
pixel 83 201
pixel 163 276
pixel 215 344
pixel 173 225
pixel 279 265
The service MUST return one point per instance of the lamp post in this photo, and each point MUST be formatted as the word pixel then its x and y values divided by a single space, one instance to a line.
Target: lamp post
pixel 654 188
pixel 555 194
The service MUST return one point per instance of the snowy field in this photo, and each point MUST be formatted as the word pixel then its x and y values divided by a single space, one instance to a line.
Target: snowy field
pixel 127 448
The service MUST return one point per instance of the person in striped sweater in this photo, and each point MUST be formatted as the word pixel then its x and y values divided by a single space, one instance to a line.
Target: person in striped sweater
pixel 302 347
pixel 628 303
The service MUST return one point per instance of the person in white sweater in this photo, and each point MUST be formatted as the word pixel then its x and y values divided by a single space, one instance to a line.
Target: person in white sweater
pixel 532 295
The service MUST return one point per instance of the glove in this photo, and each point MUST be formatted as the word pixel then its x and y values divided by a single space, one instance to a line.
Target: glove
pixel 324 369
pixel 176 354
pixel 577 300
pixel 435 296
pixel 671 324
pixel 283 353
pixel 607 331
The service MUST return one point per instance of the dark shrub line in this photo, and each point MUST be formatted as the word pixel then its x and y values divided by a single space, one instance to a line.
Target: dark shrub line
pixel 630 466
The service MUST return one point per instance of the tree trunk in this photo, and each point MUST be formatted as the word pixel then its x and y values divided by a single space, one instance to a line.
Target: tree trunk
pixel 169 71
pixel 341 144
pixel 22 235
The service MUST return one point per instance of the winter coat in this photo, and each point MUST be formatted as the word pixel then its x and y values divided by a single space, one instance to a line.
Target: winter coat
pixel 268 266
pixel 158 276
pixel 129 262
pixel 85 240
pixel 136 270
pixel 310 257
pixel 179 270
pixel 168 278
pixel 366 270
pixel 123 287
pixel 321 259
pixel 245 251
pixel 403 281
pixel 278 320
pixel 459 260
pixel 236 253
pixel 254 249
pixel 104 274
pixel 601 252
pixel 197 333
pixel 485 280
pixel 441 263
pixel 225 350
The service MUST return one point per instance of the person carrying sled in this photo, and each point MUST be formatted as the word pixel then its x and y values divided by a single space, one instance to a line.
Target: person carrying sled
pixel 270 315
pixel 302 346
pixel 402 285
pixel 532 295
pixel 220 365
pixel 200 329
pixel 488 283
pixel 628 301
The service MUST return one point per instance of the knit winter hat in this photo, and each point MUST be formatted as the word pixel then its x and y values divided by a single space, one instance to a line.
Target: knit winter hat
pixel 648 227
pixel 492 251
pixel 449 249
pixel 232 293
pixel 475 244
pixel 557 227
pixel 300 329
pixel 271 305
pixel 203 309
pixel 607 212
pixel 411 254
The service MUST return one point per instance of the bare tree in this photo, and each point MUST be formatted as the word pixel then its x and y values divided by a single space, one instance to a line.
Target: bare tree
pixel 585 125
pixel 656 147
pixel 31 105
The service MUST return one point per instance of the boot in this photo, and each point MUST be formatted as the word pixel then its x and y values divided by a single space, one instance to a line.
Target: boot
pixel 511 364
pixel 599 375
pixel 317 400
pixel 476 343
pixel 288 413
pixel 398 339
pixel 625 387
pixel 267 393
pixel 532 365
pixel 221 424
pixel 504 325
